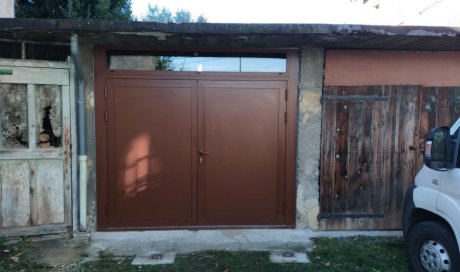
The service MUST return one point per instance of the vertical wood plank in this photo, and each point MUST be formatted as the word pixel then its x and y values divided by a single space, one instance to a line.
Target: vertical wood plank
pixel 34 212
pixel 358 149
pixel 404 161
pixel 427 118
pixel 443 117
pixel 327 154
pixel 31 115
pixel 15 194
pixel 49 192
pixel 365 186
pixel 383 136
pixel 455 106
pixel 340 156
pixel 387 153
pixel 66 145
pixel 390 202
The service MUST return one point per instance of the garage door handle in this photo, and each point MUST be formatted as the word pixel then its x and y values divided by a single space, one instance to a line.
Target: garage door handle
pixel 204 153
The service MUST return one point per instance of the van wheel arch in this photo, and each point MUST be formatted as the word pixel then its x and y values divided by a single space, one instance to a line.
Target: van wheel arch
pixel 432 244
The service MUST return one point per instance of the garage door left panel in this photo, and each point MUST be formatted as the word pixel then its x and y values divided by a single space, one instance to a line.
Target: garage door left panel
pixel 151 133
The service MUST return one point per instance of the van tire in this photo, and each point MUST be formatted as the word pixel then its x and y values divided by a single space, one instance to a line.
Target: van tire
pixel 438 242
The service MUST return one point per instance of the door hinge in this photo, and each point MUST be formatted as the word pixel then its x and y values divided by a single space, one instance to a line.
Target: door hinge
pixel 105 92
pixel 286 94
pixel 285 117
pixel 106 116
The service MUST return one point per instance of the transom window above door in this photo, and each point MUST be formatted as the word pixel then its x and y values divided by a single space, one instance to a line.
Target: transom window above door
pixel 196 62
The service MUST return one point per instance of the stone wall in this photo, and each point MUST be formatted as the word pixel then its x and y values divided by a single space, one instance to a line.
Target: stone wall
pixel 309 137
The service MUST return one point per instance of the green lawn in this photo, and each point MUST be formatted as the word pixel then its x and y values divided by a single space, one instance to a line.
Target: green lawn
pixel 329 254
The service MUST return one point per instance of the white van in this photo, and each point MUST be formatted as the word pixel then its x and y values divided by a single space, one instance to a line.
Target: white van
pixel 431 216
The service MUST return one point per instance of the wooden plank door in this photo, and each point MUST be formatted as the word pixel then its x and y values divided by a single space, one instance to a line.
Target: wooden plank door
pixel 372 142
pixel 35 148
pixel 151 171
pixel 242 161
pixel 366 161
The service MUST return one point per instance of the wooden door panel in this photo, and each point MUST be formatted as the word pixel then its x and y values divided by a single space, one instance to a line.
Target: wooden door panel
pixel 35 149
pixel 242 179
pixel 358 185
pixel 350 191
pixel 371 150
pixel 151 158
pixel 406 100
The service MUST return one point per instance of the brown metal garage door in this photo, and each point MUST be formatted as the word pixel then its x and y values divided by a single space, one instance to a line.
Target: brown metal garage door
pixel 195 153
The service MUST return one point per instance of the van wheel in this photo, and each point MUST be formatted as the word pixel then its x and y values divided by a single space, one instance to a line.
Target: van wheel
pixel 432 247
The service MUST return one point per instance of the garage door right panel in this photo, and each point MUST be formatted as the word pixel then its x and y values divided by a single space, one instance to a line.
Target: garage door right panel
pixel 242 127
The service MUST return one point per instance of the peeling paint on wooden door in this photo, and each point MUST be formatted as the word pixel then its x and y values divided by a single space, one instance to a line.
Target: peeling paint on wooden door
pixel 35 148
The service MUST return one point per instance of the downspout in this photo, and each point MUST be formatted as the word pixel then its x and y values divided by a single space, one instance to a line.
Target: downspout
pixel 81 126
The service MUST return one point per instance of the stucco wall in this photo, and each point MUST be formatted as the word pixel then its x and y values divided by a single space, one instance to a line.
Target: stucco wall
pixel 309 137
pixel 384 67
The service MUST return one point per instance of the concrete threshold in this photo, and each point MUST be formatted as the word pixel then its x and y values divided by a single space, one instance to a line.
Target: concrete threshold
pixel 142 243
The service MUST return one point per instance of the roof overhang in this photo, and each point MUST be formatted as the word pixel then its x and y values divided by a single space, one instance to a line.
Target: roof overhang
pixel 232 36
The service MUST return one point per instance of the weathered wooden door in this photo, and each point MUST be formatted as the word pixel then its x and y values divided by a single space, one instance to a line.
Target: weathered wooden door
pixel 371 150
pixel 35 148
pixel 195 152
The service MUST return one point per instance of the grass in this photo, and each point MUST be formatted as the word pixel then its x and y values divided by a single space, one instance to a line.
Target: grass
pixel 328 254
pixel 358 254
pixel 19 257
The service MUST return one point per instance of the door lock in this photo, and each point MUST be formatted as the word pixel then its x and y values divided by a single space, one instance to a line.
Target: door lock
pixel 204 153
pixel 201 154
